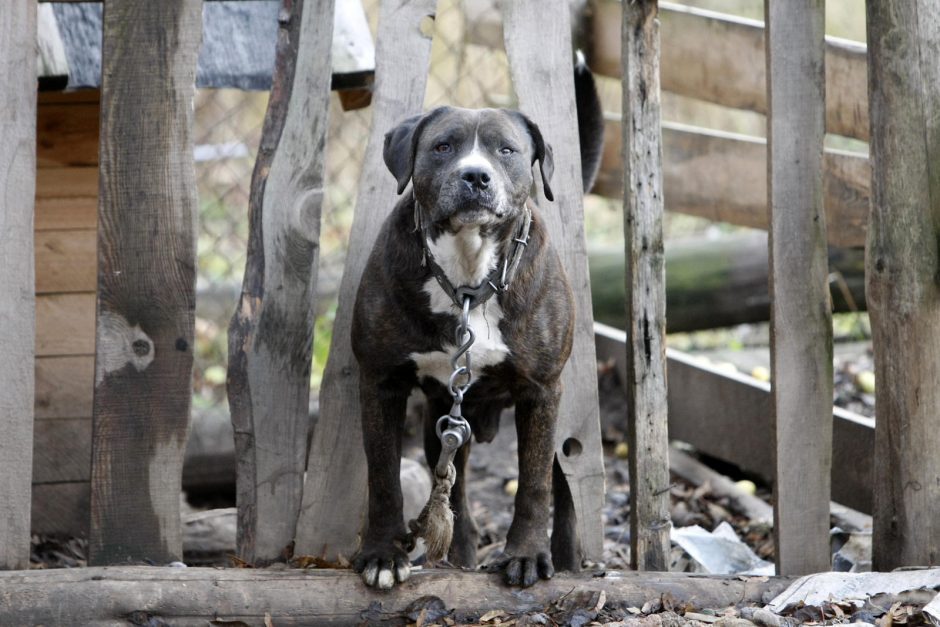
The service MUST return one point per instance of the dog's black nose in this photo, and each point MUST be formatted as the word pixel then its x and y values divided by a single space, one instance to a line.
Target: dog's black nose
pixel 476 178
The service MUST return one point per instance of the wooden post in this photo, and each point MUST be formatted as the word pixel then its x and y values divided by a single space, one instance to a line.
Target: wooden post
pixel 903 266
pixel 271 333
pixel 645 288
pixel 335 492
pixel 17 296
pixel 801 312
pixel 146 279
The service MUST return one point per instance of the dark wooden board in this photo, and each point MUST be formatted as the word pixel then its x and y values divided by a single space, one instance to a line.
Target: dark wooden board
pixel 271 333
pixel 67 134
pixel 645 278
pixel 146 279
pixel 64 385
pixel 17 311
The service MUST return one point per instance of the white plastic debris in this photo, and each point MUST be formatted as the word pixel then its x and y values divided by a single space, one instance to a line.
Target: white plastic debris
pixel 720 552
pixel 855 588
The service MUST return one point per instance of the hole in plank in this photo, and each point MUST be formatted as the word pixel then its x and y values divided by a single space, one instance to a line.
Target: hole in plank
pixel 571 447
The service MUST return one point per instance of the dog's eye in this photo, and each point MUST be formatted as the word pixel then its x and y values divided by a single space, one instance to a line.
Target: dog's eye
pixel 442 148
pixel 506 151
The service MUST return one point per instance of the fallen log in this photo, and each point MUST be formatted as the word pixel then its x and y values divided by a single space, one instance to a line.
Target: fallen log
pixel 713 283
pixel 183 596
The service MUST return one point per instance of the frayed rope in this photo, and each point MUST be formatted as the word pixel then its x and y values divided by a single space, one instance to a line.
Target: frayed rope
pixel 435 524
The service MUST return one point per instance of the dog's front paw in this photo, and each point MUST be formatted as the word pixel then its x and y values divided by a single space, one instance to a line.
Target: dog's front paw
pixel 525 570
pixel 382 565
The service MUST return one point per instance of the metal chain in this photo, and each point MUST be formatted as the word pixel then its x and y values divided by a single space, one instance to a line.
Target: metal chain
pixel 453 429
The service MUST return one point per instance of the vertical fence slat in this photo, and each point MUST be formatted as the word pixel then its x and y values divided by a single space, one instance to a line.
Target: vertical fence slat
pixel 903 285
pixel 645 288
pixel 801 318
pixel 334 501
pixel 538 43
pixel 146 279
pixel 17 294
pixel 271 333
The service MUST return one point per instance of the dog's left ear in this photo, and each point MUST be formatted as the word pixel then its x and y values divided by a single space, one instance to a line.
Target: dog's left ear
pixel 543 154
pixel 399 150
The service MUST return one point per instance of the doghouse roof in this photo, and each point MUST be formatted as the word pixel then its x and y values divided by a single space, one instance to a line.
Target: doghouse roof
pixel 237 50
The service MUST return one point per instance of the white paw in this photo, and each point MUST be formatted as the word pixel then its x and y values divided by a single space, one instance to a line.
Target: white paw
pixel 385 578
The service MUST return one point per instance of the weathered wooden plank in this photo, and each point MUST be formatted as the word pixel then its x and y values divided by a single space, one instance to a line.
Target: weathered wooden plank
pixel 67 134
pixel 62 450
pixel 146 279
pixel 645 279
pixel 271 333
pixel 66 261
pixel 801 312
pixel 17 300
pixel 65 324
pixel 336 465
pixel 66 198
pixel 722 176
pixel 538 43
pixel 61 508
pixel 180 596
pixel 904 278
pixel 719 58
pixel 64 385
pixel 706 404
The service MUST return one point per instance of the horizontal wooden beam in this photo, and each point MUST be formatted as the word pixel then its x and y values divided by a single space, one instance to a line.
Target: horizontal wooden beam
pixel 723 176
pixel 707 405
pixel 329 597
pixel 719 58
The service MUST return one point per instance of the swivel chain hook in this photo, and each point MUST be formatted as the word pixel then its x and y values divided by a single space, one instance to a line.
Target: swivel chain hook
pixel 453 429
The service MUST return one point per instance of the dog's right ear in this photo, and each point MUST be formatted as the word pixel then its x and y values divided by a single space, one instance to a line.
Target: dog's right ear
pixel 399 150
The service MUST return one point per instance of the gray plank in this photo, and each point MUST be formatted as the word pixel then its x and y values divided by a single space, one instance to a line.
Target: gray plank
pixel 904 278
pixel 645 283
pixel 146 280
pixel 336 465
pixel 801 311
pixel 706 404
pixel 17 299
pixel 538 43
pixel 271 333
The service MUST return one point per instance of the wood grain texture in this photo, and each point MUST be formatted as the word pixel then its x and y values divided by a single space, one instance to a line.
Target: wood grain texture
pixel 67 134
pixel 61 508
pixel 65 385
pixel 146 279
pixel 335 492
pixel 66 198
pixel 719 58
pixel 706 404
pixel 66 261
pixel 645 281
pixel 17 300
pixel 186 596
pixel 538 43
pixel 271 333
pixel 903 267
pixel 65 324
pixel 722 176
pixel 62 450
pixel 801 311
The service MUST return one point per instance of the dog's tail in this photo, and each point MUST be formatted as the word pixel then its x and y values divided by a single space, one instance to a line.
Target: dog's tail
pixel 590 122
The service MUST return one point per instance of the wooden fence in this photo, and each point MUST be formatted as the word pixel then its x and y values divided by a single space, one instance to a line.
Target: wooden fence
pixel 806 197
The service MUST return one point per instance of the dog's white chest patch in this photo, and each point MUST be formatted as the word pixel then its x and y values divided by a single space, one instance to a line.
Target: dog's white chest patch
pixel 467 259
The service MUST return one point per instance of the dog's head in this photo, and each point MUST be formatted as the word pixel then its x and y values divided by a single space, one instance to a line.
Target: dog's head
pixel 468 167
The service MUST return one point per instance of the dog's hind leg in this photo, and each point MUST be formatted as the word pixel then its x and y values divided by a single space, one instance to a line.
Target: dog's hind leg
pixel 566 545
pixel 463 547
pixel 382 558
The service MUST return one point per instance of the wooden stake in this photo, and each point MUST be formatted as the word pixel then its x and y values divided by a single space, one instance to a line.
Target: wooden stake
pixel 801 312
pixel 271 332
pixel 645 288
pixel 903 267
pixel 146 279
pixel 17 295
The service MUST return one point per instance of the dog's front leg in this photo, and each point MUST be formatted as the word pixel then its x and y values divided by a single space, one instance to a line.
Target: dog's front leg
pixel 382 558
pixel 527 544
